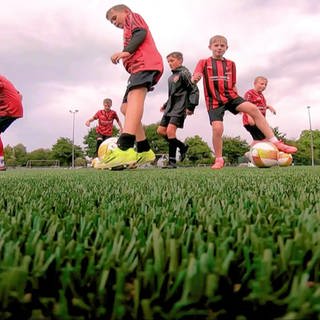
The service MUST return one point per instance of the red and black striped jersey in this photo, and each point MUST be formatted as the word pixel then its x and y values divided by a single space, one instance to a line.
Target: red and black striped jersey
pixel 219 79
pixel 10 99
pixel 105 121
pixel 256 98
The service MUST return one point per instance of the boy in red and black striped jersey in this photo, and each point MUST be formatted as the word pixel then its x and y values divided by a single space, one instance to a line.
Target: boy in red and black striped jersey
pixel 256 96
pixel 219 82
pixel 105 119
pixel 10 110
pixel 143 61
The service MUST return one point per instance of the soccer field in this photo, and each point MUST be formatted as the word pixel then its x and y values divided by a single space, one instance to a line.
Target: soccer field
pixel 190 243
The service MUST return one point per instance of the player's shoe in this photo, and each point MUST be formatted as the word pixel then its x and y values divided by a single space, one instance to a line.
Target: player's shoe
pixel 170 165
pixel 3 168
pixel 284 147
pixel 183 152
pixel 218 164
pixel 118 158
pixel 145 157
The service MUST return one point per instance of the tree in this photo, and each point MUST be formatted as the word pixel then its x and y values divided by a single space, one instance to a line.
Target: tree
pixel 62 151
pixel 199 151
pixel 233 148
pixel 90 141
pixel 40 154
pixel 16 155
pixel 303 155
pixel 158 143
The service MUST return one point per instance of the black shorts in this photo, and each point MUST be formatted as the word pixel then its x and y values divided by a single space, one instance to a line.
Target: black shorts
pixel 102 137
pixel 5 122
pixel 142 79
pixel 255 132
pixel 217 114
pixel 177 121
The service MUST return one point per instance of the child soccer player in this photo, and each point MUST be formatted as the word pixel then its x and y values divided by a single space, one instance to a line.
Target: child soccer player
pixel 10 110
pixel 219 82
pixel 105 119
pixel 256 96
pixel 183 98
pixel 142 60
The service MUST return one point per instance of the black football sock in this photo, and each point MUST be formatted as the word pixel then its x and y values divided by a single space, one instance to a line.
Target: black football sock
pixel 172 150
pixel 143 146
pixel 180 144
pixel 126 141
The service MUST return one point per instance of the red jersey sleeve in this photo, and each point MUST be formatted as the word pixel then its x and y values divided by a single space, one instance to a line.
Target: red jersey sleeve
pixel 200 67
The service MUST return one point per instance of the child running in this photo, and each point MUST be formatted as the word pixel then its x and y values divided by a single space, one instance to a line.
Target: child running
pixel 182 100
pixel 219 82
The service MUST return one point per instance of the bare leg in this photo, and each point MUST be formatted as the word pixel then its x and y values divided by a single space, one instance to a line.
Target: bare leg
pixel 217 131
pixel 134 113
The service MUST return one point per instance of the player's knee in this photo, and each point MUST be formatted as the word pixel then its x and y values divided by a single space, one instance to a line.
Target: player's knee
pixel 162 131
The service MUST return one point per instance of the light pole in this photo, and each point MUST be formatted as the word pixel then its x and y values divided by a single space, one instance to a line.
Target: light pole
pixel 311 137
pixel 73 112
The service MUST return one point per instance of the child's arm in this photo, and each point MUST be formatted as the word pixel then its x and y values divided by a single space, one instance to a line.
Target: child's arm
pixel 137 38
pixel 120 125
pixel 272 109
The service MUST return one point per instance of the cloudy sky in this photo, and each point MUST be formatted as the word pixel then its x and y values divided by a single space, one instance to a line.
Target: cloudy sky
pixel 57 53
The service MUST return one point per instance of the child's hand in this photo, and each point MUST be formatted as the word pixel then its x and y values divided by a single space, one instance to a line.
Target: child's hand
pixel 162 109
pixel 88 123
pixel 196 77
pixel 272 109
pixel 118 56
pixel 189 112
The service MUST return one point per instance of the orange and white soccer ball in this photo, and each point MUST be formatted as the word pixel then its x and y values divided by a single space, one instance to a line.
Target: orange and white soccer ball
pixel 264 155
pixel 107 146
pixel 284 159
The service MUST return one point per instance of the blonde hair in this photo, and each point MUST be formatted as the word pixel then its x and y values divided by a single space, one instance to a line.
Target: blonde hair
pixel 176 54
pixel 256 79
pixel 107 101
pixel 117 7
pixel 218 38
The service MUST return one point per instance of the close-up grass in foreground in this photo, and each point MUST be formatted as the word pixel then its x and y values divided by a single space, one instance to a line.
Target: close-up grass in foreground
pixel 193 243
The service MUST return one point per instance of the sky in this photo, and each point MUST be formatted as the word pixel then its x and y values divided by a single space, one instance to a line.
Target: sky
pixel 57 53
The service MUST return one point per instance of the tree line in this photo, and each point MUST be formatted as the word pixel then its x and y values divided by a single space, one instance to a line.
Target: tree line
pixel 199 151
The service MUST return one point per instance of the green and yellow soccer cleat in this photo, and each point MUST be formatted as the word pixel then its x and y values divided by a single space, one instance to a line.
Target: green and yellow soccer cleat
pixel 145 157
pixel 118 158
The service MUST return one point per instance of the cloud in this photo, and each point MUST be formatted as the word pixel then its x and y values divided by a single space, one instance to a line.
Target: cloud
pixel 58 54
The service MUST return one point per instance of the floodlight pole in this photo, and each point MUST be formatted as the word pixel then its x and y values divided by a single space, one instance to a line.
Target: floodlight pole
pixel 73 112
pixel 311 137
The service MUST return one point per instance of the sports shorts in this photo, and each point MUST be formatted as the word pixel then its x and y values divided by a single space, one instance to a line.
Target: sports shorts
pixel 177 121
pixel 255 132
pixel 5 122
pixel 217 114
pixel 142 79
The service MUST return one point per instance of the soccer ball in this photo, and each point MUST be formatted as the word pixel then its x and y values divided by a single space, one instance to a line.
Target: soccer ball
pixel 264 155
pixel 284 159
pixel 107 146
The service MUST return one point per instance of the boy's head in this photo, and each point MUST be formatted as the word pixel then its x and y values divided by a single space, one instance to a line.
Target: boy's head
pixel 107 103
pixel 260 83
pixel 175 59
pixel 218 45
pixel 117 15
